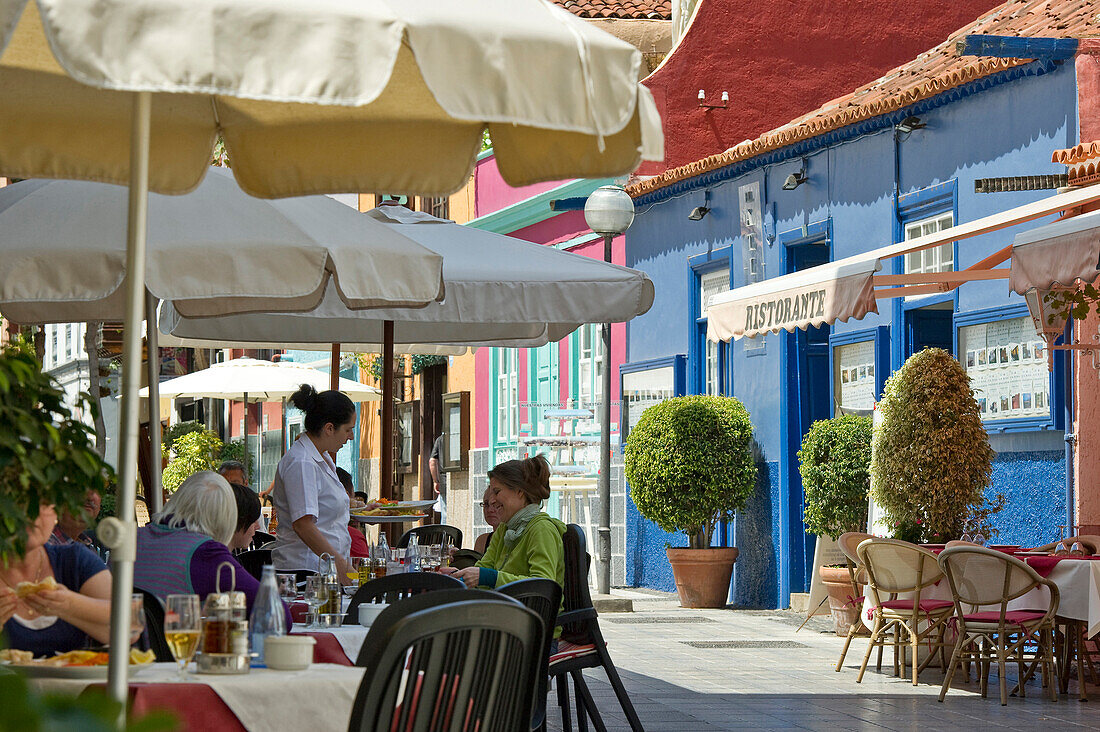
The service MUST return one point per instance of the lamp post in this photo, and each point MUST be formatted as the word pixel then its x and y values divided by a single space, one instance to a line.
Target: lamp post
pixel 609 212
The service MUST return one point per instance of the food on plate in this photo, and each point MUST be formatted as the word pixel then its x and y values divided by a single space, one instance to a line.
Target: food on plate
pixel 25 589
pixel 13 655
pixel 390 511
pixel 76 658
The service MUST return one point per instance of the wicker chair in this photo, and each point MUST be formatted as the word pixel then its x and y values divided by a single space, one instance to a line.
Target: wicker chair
pixel 847 544
pixel 980 577
pixel 894 567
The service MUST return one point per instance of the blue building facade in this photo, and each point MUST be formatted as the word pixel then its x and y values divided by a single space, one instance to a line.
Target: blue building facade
pixel 866 185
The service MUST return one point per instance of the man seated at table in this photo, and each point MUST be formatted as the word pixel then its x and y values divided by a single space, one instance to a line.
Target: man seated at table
pixel 74 528
pixel 234 472
pixel 180 550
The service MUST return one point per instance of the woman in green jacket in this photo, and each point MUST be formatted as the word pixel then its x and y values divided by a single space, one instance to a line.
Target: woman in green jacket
pixel 527 542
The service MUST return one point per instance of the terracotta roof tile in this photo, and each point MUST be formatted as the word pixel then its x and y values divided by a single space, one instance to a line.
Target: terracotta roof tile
pixel 1078 154
pixel 931 73
pixel 631 9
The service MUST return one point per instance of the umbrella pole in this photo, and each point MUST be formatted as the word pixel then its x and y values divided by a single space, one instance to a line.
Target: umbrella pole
pixel 283 451
pixel 385 472
pixel 118 533
pixel 153 371
pixel 334 368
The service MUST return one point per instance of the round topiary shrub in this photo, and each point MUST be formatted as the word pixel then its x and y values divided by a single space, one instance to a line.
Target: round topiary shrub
pixel 835 462
pixel 931 460
pixel 689 463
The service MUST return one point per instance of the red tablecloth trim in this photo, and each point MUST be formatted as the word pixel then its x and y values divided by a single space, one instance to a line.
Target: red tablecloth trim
pixel 1043 566
pixel 196 705
pixel 298 612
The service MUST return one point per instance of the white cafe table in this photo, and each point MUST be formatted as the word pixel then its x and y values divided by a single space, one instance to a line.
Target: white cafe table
pixel 318 698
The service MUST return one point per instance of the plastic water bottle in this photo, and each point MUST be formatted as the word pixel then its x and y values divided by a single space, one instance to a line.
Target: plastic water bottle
pixel 268 615
pixel 412 555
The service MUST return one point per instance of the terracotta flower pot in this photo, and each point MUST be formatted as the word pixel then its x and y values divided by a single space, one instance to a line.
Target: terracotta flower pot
pixel 702 575
pixel 843 597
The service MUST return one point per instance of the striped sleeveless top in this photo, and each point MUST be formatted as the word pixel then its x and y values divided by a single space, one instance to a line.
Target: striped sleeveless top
pixel 163 564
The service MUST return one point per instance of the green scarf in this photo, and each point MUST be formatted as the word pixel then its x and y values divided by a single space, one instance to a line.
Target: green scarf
pixel 518 523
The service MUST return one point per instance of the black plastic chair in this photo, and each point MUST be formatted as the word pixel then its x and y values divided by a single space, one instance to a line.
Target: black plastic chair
pixel 432 534
pixel 581 627
pixel 254 560
pixel 396 587
pixel 437 664
pixel 542 596
pixel 260 539
pixel 154 626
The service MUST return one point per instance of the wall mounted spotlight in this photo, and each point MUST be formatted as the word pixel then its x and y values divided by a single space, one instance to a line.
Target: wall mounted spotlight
pixel 725 103
pixel 699 212
pixel 794 180
pixel 909 124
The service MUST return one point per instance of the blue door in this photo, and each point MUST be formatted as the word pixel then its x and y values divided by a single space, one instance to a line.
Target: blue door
pixel 928 328
pixel 808 394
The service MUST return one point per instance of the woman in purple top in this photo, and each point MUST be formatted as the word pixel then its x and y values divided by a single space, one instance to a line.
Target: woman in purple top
pixel 75 615
pixel 180 550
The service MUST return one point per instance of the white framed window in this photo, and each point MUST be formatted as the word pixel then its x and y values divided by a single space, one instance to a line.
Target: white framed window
pixel 711 373
pixel 936 259
pixel 590 364
pixel 54 356
pixel 507 393
pixel 710 284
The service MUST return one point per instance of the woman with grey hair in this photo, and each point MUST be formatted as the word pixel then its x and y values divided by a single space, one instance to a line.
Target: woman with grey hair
pixel 180 550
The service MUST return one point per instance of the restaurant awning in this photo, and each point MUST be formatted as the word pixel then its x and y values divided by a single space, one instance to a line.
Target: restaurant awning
pixel 846 288
pixel 1056 254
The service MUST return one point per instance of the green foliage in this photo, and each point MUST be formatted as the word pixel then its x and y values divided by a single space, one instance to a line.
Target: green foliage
pixel 237 450
pixel 194 451
pixel 26 710
pixel 689 462
pixel 178 430
pixel 46 455
pixel 1077 301
pixel 835 462
pixel 373 364
pixel 931 460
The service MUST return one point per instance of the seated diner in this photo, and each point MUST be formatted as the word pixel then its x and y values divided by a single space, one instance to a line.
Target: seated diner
pixel 55 597
pixel 527 541
pixel 180 550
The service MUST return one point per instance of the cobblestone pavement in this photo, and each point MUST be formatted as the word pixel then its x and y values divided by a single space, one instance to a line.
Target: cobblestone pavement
pixel 787 682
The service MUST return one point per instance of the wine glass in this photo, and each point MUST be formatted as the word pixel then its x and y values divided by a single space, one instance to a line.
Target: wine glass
pixel 446 549
pixel 137 617
pixel 182 627
pixel 430 557
pixel 288 586
pixel 316 595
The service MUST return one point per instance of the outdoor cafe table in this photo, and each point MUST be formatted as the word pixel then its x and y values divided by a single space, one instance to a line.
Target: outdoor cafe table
pixel 1077 579
pixel 318 698
pixel 334 645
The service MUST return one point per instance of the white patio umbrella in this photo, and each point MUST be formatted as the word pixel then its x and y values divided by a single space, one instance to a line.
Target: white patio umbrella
pixel 216 249
pixel 354 96
pixel 252 380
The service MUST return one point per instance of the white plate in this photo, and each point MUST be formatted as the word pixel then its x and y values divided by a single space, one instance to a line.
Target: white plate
pixel 389 519
pixel 41 671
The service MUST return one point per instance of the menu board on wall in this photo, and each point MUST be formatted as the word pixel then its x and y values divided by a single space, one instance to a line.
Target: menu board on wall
pixel 854 375
pixel 1007 364
pixel 643 389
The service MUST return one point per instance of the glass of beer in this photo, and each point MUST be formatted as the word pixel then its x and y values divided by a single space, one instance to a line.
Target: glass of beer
pixel 182 626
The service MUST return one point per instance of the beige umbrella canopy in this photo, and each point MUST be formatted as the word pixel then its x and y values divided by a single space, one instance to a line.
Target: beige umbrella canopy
pixel 371 95
pixel 310 97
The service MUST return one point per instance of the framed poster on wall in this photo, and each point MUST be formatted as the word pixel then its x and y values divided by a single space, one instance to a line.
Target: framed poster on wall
pixel 1006 361
pixel 854 382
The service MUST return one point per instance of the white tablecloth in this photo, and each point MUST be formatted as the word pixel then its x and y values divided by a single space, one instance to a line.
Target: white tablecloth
pixel 1078 582
pixel 350 637
pixel 319 698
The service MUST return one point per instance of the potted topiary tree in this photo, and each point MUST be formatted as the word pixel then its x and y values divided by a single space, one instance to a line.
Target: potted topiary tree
pixel 47 457
pixel 689 464
pixel 931 460
pixel 835 462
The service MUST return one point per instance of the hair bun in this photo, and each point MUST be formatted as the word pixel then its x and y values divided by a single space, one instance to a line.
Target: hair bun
pixel 536 474
pixel 304 398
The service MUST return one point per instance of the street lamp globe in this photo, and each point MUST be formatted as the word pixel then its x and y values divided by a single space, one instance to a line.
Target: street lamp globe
pixel 609 210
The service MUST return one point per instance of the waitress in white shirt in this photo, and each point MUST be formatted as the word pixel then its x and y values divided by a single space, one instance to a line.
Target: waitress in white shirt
pixel 307 490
